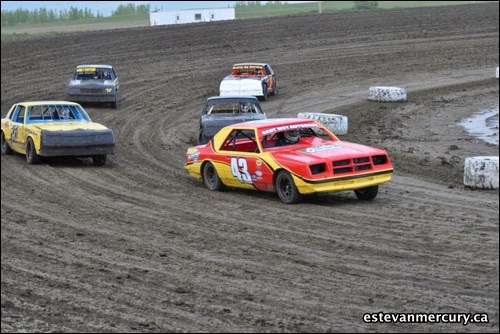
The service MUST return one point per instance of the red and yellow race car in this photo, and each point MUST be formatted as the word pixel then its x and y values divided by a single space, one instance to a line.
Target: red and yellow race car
pixel 290 156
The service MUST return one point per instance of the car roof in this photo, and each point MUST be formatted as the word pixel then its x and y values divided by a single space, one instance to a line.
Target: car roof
pixel 101 66
pixel 235 98
pixel 251 64
pixel 273 122
pixel 35 103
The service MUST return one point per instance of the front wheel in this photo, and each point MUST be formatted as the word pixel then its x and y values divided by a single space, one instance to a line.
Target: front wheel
pixel 5 146
pixel 31 156
pixel 367 194
pixel 114 104
pixel 202 139
pixel 211 178
pixel 286 189
pixel 99 160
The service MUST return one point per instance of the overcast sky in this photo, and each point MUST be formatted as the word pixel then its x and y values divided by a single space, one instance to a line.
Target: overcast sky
pixel 106 7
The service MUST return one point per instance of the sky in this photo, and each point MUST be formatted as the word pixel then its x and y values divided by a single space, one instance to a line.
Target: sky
pixel 107 7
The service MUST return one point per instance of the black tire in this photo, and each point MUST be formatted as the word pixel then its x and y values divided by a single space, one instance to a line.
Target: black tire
pixel 202 139
pixel 99 160
pixel 275 89
pixel 5 146
pixel 31 156
pixel 367 194
pixel 286 189
pixel 114 104
pixel 211 178
pixel 264 92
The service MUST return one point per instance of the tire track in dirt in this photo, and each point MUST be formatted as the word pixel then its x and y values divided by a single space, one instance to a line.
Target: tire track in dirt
pixel 139 246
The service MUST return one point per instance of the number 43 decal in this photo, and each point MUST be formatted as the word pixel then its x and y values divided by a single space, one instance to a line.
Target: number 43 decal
pixel 239 169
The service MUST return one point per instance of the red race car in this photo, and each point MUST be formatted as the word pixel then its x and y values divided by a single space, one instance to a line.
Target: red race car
pixel 290 156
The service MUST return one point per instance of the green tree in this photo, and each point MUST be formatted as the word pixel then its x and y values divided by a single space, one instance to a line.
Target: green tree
pixel 365 4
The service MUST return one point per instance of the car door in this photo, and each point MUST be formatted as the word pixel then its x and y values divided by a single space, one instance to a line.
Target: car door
pixel 116 81
pixel 270 78
pixel 242 166
pixel 15 132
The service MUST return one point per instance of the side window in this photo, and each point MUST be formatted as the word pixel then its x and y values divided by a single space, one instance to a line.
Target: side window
pixel 12 114
pixel 269 71
pixel 240 140
pixel 21 114
pixel 230 142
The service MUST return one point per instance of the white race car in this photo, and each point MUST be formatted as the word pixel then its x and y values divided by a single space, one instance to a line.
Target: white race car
pixel 250 79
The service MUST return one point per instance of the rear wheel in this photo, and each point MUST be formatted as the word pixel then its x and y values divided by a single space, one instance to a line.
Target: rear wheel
pixel 367 194
pixel 211 178
pixel 286 189
pixel 264 92
pixel 5 146
pixel 31 156
pixel 99 160
pixel 275 89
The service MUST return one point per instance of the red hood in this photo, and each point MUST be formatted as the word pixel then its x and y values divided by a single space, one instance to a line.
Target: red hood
pixel 340 150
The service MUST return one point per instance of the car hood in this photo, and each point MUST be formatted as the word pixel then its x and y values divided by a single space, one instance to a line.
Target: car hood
pixel 91 83
pixel 327 152
pixel 58 126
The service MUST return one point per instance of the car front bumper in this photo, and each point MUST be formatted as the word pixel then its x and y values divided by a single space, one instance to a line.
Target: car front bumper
pixel 91 98
pixel 77 143
pixel 345 183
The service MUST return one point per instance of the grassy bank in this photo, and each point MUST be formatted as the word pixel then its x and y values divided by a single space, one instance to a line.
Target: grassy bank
pixel 330 6
pixel 140 20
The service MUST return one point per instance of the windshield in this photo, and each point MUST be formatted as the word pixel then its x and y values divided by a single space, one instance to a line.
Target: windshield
pixel 294 134
pixel 57 113
pixel 248 70
pixel 95 73
pixel 231 108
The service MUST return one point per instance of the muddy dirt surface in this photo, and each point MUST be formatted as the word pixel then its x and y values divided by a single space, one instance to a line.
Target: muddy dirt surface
pixel 138 246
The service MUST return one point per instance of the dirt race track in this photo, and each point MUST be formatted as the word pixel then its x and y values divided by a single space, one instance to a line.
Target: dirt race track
pixel 138 246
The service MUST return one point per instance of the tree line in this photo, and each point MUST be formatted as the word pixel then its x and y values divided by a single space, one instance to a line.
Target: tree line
pixel 258 3
pixel 43 15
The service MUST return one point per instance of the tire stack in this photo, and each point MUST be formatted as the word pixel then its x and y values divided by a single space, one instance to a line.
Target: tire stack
pixel 481 172
pixel 386 94
pixel 337 124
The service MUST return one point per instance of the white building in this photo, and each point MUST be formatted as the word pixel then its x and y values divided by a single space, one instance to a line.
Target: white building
pixel 190 16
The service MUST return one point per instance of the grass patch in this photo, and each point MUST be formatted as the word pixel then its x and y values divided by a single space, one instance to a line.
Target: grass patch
pixel 273 9
pixel 20 36
pixel 63 23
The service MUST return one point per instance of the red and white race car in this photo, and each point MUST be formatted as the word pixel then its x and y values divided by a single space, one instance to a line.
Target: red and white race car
pixel 250 79
pixel 290 156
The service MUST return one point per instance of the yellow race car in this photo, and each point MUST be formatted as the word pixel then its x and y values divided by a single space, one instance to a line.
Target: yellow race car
pixel 55 128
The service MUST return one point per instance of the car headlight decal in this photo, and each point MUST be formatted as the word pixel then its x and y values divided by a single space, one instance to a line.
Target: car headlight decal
pixel 317 168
